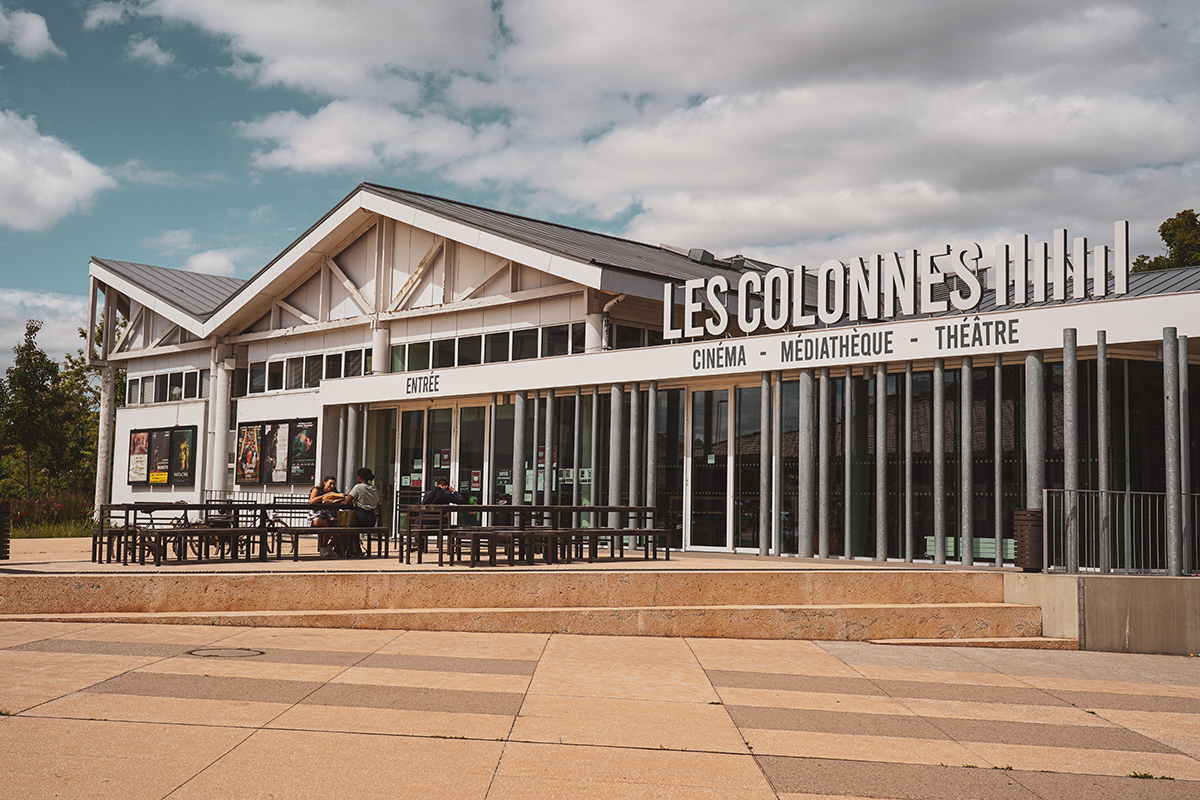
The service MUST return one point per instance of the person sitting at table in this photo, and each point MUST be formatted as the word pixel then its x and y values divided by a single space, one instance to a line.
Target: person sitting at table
pixel 442 495
pixel 323 500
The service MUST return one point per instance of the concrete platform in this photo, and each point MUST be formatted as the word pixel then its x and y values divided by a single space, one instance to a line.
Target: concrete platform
pixel 143 712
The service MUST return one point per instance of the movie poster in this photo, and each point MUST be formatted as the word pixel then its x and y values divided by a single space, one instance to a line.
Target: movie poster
pixel 160 456
pixel 183 463
pixel 275 452
pixel 303 453
pixel 139 456
pixel 249 456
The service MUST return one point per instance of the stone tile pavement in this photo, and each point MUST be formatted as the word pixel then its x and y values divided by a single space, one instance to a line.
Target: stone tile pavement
pixel 147 711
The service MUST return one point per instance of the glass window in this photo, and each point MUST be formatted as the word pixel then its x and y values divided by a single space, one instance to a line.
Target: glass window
pixel 367 366
pixel 443 353
pixel 133 391
pixel 555 340
pixel 654 338
pixel 274 376
pixel 160 385
pixel 312 371
pixel 295 373
pixel 626 336
pixel 524 344
pixel 189 384
pixel 495 348
pixel 578 337
pixel 258 377
pixel 397 358
pixel 418 356
pixel 352 364
pixel 204 380
pixel 470 350
pixel 333 365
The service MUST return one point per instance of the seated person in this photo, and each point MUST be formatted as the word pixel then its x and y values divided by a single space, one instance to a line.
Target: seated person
pixel 442 495
pixel 323 500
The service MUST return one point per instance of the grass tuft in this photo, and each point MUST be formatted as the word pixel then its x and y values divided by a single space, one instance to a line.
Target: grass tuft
pixel 53 530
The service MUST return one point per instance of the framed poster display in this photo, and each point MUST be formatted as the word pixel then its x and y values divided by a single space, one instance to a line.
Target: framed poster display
pixel 275 452
pixel 303 455
pixel 160 456
pixel 183 462
pixel 139 457
pixel 249 455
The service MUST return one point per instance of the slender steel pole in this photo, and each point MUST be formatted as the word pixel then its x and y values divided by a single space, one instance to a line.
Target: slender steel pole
pixel 909 514
pixel 966 461
pixel 635 448
pixel 1103 445
pixel 594 461
pixel 881 453
pixel 804 523
pixel 824 462
pixel 1035 429
pixel 652 450
pixel 998 457
pixel 615 413
pixel 1071 446
pixel 537 435
pixel 1185 459
pixel 939 461
pixel 848 444
pixel 1171 406
pixel 777 464
pixel 764 464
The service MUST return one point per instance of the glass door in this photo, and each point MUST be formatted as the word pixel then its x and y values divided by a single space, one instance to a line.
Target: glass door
pixel 710 469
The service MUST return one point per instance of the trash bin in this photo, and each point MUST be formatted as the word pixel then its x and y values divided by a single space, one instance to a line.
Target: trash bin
pixel 5 528
pixel 1027 538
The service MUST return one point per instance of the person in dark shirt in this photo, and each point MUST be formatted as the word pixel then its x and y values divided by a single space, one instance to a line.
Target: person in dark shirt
pixel 442 495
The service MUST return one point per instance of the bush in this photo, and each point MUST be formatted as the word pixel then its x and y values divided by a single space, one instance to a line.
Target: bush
pixel 66 509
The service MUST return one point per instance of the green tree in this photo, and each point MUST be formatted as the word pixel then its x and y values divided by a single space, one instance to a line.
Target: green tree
pixel 1181 237
pixel 32 415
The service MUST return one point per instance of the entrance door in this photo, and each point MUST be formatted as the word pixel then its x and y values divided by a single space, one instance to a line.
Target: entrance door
pixel 710 469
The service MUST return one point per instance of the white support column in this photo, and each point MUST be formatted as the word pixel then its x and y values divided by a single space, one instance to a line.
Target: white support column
pixel 222 386
pixel 939 461
pixel 518 465
pixel 764 464
pixel 615 428
pixel 1070 401
pixel 104 443
pixel 824 461
pixel 881 504
pixel 381 355
pixel 777 464
pixel 652 450
pixel 804 521
pixel 635 448
pixel 341 449
pixel 577 456
pixel 353 441
pixel 548 490
pixel 847 447
pixel 966 461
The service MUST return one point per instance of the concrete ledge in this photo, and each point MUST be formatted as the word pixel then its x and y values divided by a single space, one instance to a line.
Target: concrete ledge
pixel 840 623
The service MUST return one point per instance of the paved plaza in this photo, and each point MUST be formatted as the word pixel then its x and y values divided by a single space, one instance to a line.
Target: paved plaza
pixel 156 711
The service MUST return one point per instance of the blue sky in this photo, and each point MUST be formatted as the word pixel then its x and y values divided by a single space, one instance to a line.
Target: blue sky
pixel 207 134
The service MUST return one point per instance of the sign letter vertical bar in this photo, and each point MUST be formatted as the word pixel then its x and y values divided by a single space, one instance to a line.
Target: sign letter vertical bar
pixel 1021 269
pixel 1079 265
pixel 1060 264
pixel 1121 257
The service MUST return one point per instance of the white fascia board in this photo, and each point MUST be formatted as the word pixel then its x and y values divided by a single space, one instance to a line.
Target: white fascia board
pixel 314 241
pixel 569 269
pixel 1126 321
pixel 146 299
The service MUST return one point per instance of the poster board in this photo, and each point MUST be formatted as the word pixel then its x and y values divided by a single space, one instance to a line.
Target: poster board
pixel 249 457
pixel 162 456
pixel 277 452
pixel 139 457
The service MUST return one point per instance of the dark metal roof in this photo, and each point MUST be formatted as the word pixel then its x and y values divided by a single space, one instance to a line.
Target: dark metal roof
pixel 579 245
pixel 194 293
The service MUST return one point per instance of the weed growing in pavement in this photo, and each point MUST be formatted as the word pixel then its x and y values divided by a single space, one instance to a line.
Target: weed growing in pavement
pixel 1149 775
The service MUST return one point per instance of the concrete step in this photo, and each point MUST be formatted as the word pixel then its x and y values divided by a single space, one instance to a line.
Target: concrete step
pixel 951 621
pixel 1016 642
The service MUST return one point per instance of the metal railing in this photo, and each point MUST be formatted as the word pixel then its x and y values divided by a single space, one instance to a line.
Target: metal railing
pixel 1114 532
pixel 214 495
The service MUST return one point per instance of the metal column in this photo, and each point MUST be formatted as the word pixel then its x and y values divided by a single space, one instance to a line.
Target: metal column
pixel 824 460
pixel 764 464
pixel 518 465
pixel 353 440
pixel 547 492
pixel 777 464
pixel 1185 458
pixel 615 426
pixel 998 457
pixel 635 448
pixel 594 461
pixel 1171 407
pixel 1071 446
pixel 341 448
pixel 939 461
pixel 909 514
pixel 652 450
pixel 576 457
pixel 804 523
pixel 104 443
pixel 966 461
pixel 847 444
pixel 881 462
pixel 537 435
pixel 1103 443
pixel 1035 429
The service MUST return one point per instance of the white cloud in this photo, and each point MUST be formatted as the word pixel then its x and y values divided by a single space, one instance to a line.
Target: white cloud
pixel 61 314
pixel 137 171
pixel 219 261
pixel 42 179
pixel 145 48
pixel 170 242
pixel 103 14
pixel 27 34
pixel 793 130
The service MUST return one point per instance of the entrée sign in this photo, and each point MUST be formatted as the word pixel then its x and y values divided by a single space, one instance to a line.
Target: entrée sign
pixel 887 287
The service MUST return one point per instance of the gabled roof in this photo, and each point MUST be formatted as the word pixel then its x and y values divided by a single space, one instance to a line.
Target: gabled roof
pixel 588 247
pixel 194 293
